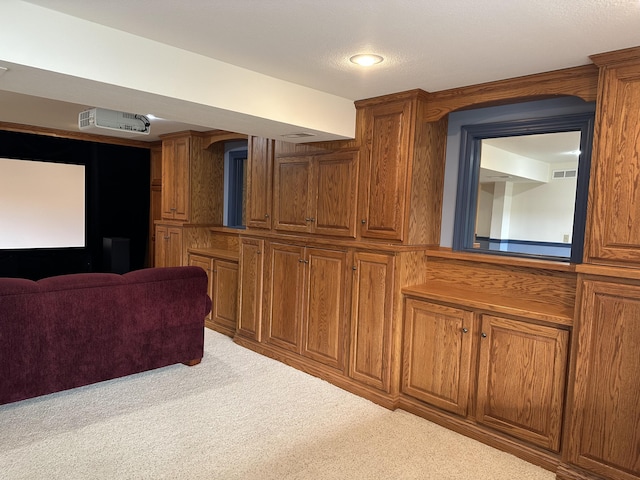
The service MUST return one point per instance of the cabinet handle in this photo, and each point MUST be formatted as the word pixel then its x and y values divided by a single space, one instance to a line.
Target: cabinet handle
pixel 310 219
pixel 483 335
pixel 465 330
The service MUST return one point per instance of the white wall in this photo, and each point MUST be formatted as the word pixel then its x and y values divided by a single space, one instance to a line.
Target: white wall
pixel 543 212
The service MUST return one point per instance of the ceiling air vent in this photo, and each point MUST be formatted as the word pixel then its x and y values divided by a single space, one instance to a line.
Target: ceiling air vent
pixel 557 174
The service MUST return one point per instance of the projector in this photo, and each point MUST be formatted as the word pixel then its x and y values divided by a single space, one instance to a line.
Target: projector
pixel 101 118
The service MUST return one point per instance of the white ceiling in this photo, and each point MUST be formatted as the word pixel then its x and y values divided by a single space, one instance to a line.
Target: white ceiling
pixel 429 44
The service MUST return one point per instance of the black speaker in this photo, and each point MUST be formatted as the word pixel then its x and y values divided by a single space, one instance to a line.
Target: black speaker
pixel 115 255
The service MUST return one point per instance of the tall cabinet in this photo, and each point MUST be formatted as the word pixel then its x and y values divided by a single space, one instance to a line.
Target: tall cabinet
pixel 192 177
pixel 603 426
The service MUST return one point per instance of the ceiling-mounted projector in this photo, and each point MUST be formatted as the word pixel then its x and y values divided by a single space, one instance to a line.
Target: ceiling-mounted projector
pixel 101 118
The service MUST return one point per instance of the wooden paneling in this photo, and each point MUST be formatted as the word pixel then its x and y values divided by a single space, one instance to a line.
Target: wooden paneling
pixel 285 297
pixel 250 295
pixel 224 295
pixel 168 246
pixel 206 264
pixel 577 81
pixel 385 170
pixel 326 310
pixel 427 182
pixel 604 432
pixel 259 182
pixel 293 194
pixel 613 234
pixel 521 379
pixel 372 319
pixel 437 354
pixel 523 284
pixel 336 187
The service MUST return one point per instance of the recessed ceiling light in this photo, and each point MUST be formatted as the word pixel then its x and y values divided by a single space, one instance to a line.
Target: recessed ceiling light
pixel 366 59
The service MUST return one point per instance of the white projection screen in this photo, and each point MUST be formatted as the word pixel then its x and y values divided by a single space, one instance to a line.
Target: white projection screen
pixel 42 204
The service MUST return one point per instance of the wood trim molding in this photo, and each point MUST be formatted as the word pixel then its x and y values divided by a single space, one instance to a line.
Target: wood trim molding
pixel 576 81
pixel 87 137
pixel 617 58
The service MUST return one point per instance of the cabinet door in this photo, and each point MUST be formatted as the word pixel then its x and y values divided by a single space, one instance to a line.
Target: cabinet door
pixel 371 319
pixel 521 379
pixel 206 264
pixel 168 246
pixel 325 307
pixel 292 194
pixel 286 269
pixel 336 183
pixel 436 356
pixel 385 170
pixel 225 296
pixel 175 179
pixel 614 231
pixel 604 433
pixel 259 182
pixel 250 293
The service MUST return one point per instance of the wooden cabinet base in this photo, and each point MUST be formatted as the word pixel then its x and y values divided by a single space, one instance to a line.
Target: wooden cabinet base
pixel 216 327
pixel 569 472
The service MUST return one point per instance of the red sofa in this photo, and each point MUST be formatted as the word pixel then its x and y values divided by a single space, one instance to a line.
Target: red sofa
pixel 71 330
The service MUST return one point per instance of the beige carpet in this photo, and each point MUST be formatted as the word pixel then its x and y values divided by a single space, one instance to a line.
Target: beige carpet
pixel 237 415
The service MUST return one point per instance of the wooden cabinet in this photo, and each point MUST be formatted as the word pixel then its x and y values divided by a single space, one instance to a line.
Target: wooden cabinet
pixel 604 408
pixel 192 178
pixel 385 170
pixel 168 246
pixel 223 290
pixel 613 233
pixel 259 182
pixel 316 194
pixel 307 302
pixel 521 379
pixel 250 289
pixel 175 178
pixel 437 354
pixel 372 319
pixel 402 170
pixel 521 370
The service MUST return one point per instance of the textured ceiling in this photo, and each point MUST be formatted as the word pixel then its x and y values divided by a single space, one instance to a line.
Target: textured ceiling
pixel 429 44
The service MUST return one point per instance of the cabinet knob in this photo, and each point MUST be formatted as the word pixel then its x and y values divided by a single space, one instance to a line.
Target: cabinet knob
pixel 483 335
pixel 363 221
pixel 266 215
pixel 354 268
pixel 258 252
pixel 465 330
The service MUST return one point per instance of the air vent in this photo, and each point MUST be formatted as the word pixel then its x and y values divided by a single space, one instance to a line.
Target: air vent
pixel 558 174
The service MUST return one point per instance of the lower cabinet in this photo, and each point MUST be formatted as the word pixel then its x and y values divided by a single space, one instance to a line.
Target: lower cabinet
pixel 307 302
pixel 521 379
pixel 604 408
pixel 250 288
pixel 372 319
pixel 518 382
pixel 168 248
pixel 437 354
pixel 223 290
